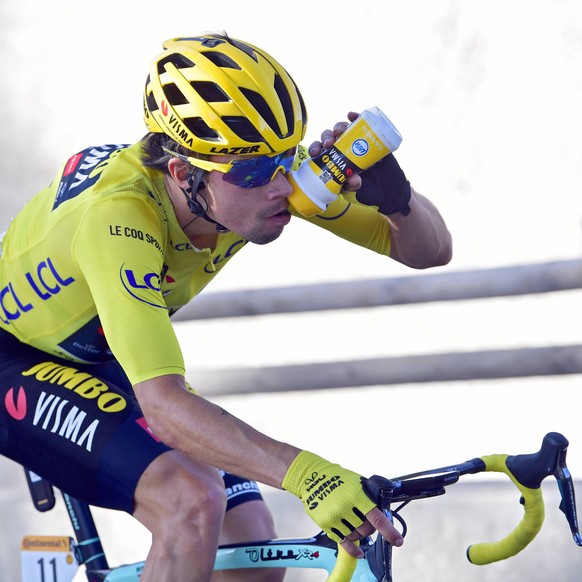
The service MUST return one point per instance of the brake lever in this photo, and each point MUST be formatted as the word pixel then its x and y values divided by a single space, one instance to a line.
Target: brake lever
pixel 379 555
pixel 566 487
pixel 379 489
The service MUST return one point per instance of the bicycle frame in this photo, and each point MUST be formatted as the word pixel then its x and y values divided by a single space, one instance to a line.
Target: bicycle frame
pixel 319 552
pixel 312 553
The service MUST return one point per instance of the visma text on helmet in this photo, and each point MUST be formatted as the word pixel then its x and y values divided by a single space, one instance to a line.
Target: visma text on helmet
pixel 176 127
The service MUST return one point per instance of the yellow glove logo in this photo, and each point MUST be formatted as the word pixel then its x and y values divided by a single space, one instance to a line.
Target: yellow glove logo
pixel 332 496
pixel 328 485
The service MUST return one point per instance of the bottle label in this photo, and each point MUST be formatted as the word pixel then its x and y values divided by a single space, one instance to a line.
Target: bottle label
pixel 334 165
pixel 319 180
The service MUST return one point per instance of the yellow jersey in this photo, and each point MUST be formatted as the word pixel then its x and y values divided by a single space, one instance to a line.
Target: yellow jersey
pixel 94 265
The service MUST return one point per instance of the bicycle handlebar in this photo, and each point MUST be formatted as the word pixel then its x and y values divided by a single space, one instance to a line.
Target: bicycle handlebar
pixel 525 471
pixel 344 568
pixel 526 530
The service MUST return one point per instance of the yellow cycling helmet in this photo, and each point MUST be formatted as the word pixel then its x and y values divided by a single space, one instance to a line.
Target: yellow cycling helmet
pixel 217 95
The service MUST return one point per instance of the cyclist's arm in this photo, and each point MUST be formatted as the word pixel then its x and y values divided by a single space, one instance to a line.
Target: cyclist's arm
pixel 211 435
pixel 420 239
pixel 208 433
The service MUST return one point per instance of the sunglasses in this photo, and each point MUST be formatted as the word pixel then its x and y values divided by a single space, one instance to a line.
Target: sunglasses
pixel 246 172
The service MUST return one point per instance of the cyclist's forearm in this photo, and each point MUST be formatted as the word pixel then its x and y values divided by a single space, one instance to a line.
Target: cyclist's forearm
pixel 210 434
pixel 421 239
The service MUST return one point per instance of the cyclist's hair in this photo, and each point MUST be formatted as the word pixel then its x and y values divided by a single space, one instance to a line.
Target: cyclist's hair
pixel 153 154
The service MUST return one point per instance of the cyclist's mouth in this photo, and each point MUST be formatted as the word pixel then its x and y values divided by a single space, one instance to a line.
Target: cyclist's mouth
pixel 282 217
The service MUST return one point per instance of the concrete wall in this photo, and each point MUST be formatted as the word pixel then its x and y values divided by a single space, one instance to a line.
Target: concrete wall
pixel 487 96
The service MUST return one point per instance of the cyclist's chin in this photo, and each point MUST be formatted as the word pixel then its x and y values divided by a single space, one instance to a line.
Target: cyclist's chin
pixel 264 236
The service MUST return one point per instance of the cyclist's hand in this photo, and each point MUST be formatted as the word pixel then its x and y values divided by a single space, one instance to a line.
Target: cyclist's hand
pixel 375 521
pixel 328 138
pixel 334 498
pixel 384 185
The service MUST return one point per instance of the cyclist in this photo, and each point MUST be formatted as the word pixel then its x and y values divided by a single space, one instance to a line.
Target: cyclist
pixel 92 387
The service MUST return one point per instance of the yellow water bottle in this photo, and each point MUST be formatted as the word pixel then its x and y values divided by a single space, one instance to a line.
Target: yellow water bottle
pixel 319 180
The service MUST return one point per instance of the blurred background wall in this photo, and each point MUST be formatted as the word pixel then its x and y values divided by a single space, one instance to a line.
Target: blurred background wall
pixel 487 97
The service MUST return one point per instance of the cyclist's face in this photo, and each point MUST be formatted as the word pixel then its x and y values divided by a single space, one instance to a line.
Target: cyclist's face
pixel 257 214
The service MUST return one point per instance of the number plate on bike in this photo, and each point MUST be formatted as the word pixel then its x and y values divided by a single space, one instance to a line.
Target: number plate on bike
pixel 47 559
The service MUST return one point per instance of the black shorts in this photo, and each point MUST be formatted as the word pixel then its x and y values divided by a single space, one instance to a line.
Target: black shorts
pixel 80 427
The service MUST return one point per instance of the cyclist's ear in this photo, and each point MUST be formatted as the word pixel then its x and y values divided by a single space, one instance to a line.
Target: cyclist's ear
pixel 178 170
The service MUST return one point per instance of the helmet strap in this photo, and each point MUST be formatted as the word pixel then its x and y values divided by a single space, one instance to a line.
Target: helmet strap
pixel 196 184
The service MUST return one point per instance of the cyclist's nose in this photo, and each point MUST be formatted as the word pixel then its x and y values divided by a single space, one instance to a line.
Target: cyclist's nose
pixel 279 186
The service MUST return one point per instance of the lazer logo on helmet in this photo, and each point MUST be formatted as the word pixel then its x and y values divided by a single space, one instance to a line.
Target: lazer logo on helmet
pixel 235 150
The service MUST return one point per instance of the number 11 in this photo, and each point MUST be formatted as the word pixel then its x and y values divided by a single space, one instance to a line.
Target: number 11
pixel 53 563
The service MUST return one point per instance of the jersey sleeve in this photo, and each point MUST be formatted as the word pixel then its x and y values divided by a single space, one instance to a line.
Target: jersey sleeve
pixel 351 220
pixel 125 274
pixel 355 222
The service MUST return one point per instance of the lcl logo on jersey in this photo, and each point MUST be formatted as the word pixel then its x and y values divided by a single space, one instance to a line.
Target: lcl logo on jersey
pixel 231 251
pixel 140 285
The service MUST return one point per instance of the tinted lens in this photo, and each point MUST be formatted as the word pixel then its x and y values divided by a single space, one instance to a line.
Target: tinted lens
pixel 258 171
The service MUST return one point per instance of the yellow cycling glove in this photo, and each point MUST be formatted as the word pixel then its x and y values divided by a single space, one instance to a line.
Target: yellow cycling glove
pixel 332 496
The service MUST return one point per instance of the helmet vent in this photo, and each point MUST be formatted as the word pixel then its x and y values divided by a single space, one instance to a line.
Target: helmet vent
pixel 174 95
pixel 151 103
pixel 286 102
pixel 210 92
pixel 259 103
pixel 200 128
pixel 245 48
pixel 178 60
pixel 243 128
pixel 221 60
pixel 303 109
